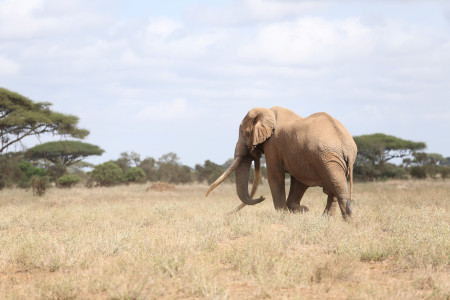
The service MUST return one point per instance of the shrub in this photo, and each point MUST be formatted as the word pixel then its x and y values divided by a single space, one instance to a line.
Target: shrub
pixel 445 172
pixel 39 184
pixel 392 171
pixel 135 174
pixel 366 171
pixel 89 182
pixel 107 174
pixel 418 172
pixel 29 171
pixel 68 180
pixel 10 173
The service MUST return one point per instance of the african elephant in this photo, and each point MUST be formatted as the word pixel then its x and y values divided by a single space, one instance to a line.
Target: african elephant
pixel 315 151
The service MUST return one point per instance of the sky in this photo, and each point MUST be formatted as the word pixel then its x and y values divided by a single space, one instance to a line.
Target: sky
pixel 178 76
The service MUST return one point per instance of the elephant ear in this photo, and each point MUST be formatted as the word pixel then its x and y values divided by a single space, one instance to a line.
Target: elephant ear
pixel 263 124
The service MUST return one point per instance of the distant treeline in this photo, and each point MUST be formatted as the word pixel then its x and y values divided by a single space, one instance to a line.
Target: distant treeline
pixel 61 163
pixel 17 169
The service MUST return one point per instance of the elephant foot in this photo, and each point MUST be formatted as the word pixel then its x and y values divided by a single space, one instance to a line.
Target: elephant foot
pixel 348 211
pixel 348 208
pixel 298 208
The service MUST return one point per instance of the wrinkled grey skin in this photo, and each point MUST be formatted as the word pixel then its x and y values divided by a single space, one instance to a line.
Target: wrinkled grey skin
pixel 315 151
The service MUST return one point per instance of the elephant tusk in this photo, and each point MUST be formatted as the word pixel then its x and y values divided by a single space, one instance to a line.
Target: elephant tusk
pixel 238 208
pixel 225 174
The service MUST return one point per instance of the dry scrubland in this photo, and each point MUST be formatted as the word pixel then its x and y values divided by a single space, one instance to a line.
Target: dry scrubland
pixel 129 243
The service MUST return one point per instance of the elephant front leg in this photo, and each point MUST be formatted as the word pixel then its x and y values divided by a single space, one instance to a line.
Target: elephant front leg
pixel 276 182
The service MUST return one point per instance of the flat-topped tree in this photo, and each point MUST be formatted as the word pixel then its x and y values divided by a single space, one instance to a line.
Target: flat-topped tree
pixel 379 148
pixel 65 153
pixel 21 117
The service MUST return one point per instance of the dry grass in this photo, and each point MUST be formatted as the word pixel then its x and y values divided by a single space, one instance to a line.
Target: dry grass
pixel 129 243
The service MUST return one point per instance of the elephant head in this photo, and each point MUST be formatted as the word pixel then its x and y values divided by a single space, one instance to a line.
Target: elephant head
pixel 256 127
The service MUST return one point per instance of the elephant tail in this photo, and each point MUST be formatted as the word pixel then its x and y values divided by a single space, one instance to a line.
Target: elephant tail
pixel 350 176
pixel 351 183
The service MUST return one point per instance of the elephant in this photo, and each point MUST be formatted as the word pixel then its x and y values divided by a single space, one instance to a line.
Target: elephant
pixel 315 151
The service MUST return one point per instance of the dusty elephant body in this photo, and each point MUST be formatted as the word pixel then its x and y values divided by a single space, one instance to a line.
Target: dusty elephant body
pixel 315 151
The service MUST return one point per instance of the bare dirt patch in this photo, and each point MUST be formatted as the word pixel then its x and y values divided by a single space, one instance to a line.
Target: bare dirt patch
pixel 162 187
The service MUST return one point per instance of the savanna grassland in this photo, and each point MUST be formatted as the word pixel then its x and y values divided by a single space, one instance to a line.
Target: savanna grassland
pixel 128 243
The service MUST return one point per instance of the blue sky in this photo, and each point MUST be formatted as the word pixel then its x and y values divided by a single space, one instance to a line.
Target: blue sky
pixel 178 76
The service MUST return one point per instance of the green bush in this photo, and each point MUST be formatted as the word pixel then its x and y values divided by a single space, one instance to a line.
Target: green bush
pixel 29 171
pixel 445 172
pixel 135 174
pixel 366 171
pixel 418 172
pixel 68 180
pixel 392 171
pixel 107 174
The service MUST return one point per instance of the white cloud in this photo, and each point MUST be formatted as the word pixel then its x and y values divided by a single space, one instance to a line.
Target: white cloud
pixel 436 116
pixel 309 41
pixel 163 27
pixel 270 10
pixel 185 45
pixel 313 41
pixel 447 13
pixel 252 11
pixel 8 67
pixel 166 111
pixel 44 18
pixel 16 17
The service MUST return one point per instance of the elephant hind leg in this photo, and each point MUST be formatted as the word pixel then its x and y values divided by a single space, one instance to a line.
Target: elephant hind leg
pixel 335 185
pixel 296 192
pixel 344 205
pixel 332 203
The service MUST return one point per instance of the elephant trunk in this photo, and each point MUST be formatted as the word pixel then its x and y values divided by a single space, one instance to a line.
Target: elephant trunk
pixel 256 181
pixel 257 178
pixel 242 176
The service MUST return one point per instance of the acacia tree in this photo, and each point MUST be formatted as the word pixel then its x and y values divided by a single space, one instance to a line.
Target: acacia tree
pixel 20 117
pixel 379 148
pixel 62 154
pixel 376 150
